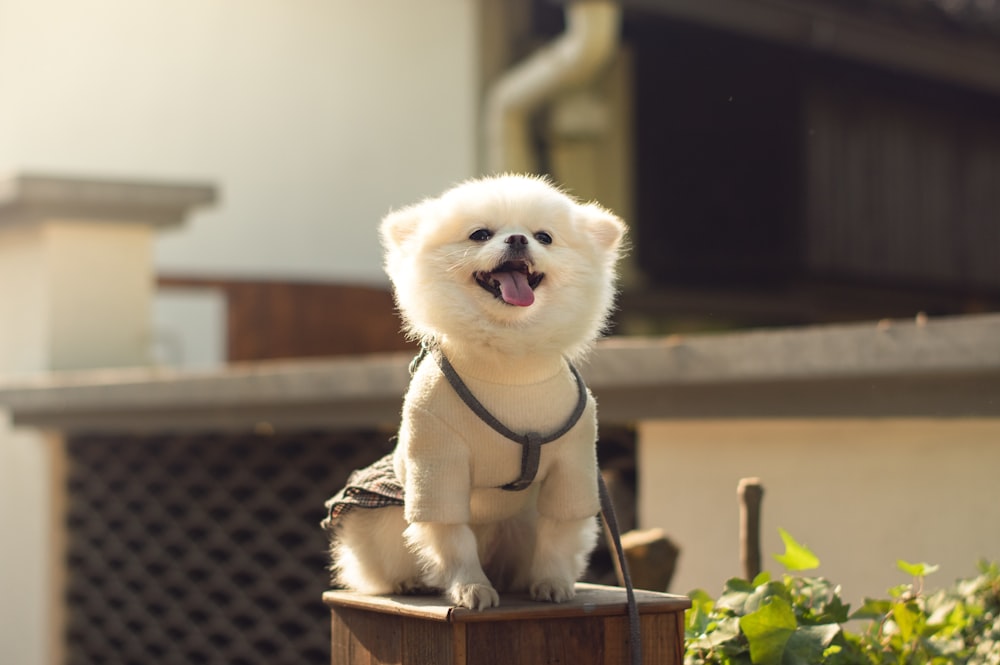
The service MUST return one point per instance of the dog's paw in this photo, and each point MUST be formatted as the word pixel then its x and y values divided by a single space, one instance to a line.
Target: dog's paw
pixel 553 591
pixel 474 596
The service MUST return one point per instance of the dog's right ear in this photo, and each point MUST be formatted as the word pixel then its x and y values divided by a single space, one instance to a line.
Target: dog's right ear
pixel 399 225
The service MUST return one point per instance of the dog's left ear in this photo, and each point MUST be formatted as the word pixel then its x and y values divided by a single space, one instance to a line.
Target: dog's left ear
pixel 605 227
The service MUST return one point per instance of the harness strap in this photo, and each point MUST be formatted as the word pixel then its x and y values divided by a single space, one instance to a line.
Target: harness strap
pixel 531 453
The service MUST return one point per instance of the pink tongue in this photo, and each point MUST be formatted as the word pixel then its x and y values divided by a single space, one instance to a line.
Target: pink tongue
pixel 514 288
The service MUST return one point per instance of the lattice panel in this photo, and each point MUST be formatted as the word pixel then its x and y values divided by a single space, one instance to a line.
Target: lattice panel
pixel 205 548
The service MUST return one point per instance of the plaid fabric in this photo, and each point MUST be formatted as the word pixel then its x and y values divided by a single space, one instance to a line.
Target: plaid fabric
pixel 375 486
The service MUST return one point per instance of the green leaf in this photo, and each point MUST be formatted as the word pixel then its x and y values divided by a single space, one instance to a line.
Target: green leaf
pixel 775 638
pixel 832 650
pixel 873 609
pixel 727 630
pixel 797 556
pixel 768 631
pixel 817 601
pixel 908 619
pixel 837 610
pixel 738 584
pixel 916 569
pixel 698 617
pixel 763 595
pixel 809 643
pixel 735 595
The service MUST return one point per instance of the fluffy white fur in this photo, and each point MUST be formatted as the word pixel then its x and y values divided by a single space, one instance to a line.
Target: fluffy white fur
pixel 432 256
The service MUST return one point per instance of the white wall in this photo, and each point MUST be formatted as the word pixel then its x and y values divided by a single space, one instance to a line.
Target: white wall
pixel 27 505
pixel 860 493
pixel 314 117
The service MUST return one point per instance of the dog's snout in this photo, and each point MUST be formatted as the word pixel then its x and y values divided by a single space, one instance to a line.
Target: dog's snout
pixel 516 240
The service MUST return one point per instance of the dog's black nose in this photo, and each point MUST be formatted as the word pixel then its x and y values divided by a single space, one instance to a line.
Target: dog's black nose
pixel 516 239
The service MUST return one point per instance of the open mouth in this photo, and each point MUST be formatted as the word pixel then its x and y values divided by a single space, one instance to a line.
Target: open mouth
pixel 512 282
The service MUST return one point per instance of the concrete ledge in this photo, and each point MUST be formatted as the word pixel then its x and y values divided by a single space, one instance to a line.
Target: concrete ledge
pixel 947 367
pixel 27 198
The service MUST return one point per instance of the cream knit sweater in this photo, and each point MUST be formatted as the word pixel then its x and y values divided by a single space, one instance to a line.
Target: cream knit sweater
pixel 451 463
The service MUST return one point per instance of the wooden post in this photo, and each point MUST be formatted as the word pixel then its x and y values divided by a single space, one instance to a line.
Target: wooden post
pixel 652 558
pixel 750 493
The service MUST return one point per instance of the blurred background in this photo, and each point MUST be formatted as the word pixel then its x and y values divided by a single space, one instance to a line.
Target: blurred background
pixel 779 163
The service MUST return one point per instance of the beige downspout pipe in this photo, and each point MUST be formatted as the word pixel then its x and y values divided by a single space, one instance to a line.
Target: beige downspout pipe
pixel 590 40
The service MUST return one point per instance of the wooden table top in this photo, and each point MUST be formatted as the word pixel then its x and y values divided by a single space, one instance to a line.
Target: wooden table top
pixel 590 600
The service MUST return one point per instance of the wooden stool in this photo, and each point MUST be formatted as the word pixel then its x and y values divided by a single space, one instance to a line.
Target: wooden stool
pixel 592 629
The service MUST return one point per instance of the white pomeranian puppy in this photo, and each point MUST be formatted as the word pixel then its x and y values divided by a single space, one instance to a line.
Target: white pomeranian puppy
pixel 506 281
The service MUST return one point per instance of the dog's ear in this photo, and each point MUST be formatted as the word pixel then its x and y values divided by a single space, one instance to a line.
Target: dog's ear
pixel 604 226
pixel 399 225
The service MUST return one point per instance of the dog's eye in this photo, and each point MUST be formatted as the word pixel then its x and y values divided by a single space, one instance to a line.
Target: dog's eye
pixel 481 235
pixel 543 238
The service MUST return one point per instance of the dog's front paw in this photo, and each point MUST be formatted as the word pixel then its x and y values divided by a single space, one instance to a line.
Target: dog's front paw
pixel 553 591
pixel 474 596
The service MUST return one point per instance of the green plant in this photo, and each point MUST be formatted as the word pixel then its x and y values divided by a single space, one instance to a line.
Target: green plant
pixel 801 620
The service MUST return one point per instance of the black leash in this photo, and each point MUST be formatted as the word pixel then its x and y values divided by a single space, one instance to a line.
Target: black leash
pixel 608 513
pixel 531 444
